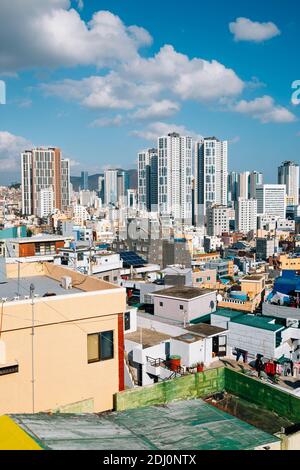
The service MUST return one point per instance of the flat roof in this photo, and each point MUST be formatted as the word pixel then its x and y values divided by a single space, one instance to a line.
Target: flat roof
pixel 255 321
pixel 205 330
pixel 42 284
pixel 148 337
pixel 35 239
pixel 182 292
pixel 181 425
pixel 226 312
pixel 254 277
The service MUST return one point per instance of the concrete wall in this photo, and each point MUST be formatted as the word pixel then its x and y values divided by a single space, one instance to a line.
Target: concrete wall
pixel 264 395
pixel 253 340
pixel 280 311
pixel 197 385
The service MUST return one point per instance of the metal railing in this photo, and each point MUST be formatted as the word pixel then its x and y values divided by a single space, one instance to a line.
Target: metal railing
pixel 165 363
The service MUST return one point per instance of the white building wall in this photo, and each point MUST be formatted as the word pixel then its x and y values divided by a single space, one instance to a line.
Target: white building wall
pixel 253 340
pixel 192 309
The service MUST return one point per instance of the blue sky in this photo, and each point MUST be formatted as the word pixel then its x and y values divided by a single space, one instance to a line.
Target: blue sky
pixel 102 92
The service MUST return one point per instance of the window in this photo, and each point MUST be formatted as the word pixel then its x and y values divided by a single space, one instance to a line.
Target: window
pixel 181 307
pixel 127 321
pixel 106 278
pixel 161 304
pixel 100 346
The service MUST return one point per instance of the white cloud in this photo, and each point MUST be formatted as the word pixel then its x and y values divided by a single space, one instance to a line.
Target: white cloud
pixel 157 129
pixel 244 29
pixel 49 33
pixel 194 78
pixel 265 109
pixel 156 110
pixel 11 147
pixel 146 85
pixel 110 91
pixel 108 122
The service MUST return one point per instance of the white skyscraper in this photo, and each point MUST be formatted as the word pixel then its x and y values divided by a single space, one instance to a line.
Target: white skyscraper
pixel 246 215
pixel 211 156
pixel 288 174
pixel 175 176
pixel 243 185
pixel 271 200
pixel 45 202
pixel 111 187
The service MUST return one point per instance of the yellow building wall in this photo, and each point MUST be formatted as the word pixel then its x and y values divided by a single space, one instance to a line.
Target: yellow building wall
pixel 62 373
pixel 289 263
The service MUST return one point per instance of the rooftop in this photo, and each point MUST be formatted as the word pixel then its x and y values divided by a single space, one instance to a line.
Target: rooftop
pixel 226 312
pixel 182 425
pixel 205 330
pixel 254 277
pixel 255 321
pixel 37 239
pixel 46 278
pixel 182 292
pixel 43 285
pixel 147 337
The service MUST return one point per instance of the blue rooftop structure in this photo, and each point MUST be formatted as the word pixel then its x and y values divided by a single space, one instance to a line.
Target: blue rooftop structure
pixel 288 283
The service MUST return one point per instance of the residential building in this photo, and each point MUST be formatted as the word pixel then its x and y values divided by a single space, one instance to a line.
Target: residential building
pixel 45 205
pixel 111 187
pixel 184 304
pixel 43 168
pixel 288 174
pixel 148 180
pixel 61 341
pixel 246 215
pixel 243 185
pixel 266 248
pixel 255 179
pixel 271 200
pixel 122 187
pixel 210 168
pixel 251 333
pixel 175 176
pixel 232 186
pixel 217 220
pixel 40 246
pixel 84 181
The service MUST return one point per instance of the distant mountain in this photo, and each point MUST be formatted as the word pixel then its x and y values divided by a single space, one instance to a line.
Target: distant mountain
pixel 93 180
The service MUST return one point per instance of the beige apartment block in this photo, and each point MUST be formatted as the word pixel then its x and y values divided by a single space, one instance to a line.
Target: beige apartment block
pixel 61 346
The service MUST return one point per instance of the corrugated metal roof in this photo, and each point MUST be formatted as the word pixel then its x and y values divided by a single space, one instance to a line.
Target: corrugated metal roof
pixel 183 425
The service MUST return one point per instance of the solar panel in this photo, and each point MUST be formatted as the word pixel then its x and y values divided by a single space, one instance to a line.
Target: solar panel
pixel 130 258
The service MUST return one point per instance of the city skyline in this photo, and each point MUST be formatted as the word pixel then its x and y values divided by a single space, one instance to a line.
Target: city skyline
pixel 112 92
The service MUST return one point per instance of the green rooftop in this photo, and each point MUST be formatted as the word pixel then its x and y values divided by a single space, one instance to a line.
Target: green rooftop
pixel 182 425
pixel 255 321
pixel 227 312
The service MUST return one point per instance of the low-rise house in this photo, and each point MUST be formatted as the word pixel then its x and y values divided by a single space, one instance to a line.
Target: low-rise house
pixel 254 334
pixel 184 303
pixel 62 340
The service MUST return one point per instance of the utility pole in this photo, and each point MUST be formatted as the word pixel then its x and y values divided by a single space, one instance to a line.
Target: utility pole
pixel 32 289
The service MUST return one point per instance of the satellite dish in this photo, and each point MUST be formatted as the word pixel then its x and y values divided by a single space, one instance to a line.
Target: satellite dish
pixel 219 298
